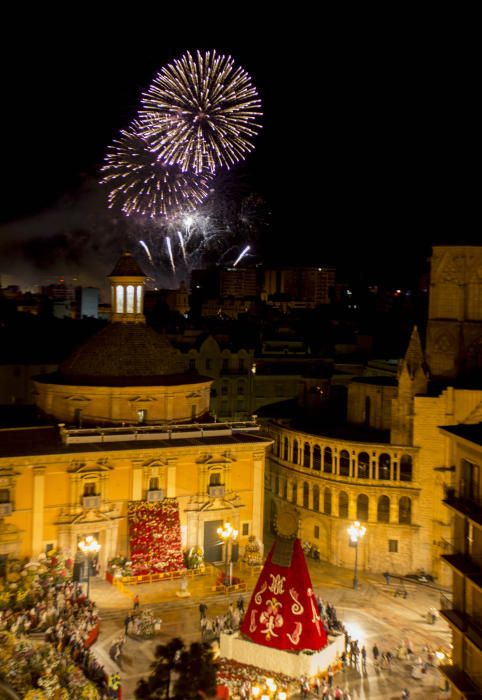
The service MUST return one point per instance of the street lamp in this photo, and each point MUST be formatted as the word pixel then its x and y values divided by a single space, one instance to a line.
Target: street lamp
pixel 89 547
pixel 228 534
pixel 356 532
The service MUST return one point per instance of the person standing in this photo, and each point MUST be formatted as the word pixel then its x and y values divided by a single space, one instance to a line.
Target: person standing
pixel 364 659
pixel 376 654
pixel 387 577
pixel 136 602
pixel 203 608
pixel 127 622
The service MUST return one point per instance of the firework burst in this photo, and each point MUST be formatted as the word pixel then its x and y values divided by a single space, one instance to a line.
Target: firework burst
pixel 141 184
pixel 201 112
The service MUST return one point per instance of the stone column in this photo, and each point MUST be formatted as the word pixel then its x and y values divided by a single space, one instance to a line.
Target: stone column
pixel 171 477
pixel 258 493
pixel 38 505
pixel 137 474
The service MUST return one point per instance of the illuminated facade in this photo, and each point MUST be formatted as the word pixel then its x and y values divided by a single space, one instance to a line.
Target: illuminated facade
pixel 464 611
pixel 123 412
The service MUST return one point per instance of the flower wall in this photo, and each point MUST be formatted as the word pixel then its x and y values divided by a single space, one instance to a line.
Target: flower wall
pixel 155 537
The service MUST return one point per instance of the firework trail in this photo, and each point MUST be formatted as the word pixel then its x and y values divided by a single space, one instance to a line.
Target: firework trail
pixel 183 248
pixel 201 112
pixel 169 251
pixel 147 251
pixel 241 255
pixel 141 184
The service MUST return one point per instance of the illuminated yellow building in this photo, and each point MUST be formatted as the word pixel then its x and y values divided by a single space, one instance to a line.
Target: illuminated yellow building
pixel 123 429
pixel 388 468
pixel 463 611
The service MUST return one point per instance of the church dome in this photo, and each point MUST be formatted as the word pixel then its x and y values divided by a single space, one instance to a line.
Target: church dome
pixel 124 354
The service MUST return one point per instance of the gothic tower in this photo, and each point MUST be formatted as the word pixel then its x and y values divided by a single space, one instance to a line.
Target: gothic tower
pixel 412 381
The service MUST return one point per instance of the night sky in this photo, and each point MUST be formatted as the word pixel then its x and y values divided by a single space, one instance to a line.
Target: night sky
pixel 366 157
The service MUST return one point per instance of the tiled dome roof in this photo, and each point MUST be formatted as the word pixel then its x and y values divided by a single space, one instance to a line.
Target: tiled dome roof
pixel 123 354
pixel 127 266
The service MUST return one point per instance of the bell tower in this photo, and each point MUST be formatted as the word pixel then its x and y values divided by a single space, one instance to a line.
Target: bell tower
pixel 127 291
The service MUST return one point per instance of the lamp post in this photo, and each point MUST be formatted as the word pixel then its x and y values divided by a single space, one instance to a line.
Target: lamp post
pixel 356 532
pixel 228 535
pixel 89 547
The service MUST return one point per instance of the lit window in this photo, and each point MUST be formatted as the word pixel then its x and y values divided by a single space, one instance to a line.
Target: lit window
pixel 119 296
pixel 139 299
pixel 130 299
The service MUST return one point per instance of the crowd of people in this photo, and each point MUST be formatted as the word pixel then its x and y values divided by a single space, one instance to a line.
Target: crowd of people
pixel 211 627
pixel 68 619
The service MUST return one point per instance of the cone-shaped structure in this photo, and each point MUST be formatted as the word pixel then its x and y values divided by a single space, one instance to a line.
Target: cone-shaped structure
pixel 283 613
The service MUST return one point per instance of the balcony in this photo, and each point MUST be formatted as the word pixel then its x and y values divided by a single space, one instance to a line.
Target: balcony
pixel 91 502
pixel 467 625
pixel 465 565
pixel 6 509
pixel 216 491
pixel 468 505
pixel 461 681
pixel 154 495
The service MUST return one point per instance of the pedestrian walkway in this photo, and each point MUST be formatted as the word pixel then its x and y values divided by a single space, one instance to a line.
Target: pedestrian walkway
pixel 371 613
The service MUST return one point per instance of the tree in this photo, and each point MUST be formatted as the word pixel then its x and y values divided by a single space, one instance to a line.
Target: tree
pixel 179 673
pixel 197 673
pixel 158 685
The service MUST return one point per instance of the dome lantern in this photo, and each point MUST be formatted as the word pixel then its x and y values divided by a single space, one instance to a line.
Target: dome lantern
pixel 127 290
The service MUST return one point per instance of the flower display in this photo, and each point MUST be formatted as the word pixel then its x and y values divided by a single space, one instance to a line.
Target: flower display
pixel 155 537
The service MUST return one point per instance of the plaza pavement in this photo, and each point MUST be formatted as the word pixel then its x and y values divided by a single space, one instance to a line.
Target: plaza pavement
pixel 372 614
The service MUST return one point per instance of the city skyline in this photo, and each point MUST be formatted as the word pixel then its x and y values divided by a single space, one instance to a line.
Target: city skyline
pixel 363 152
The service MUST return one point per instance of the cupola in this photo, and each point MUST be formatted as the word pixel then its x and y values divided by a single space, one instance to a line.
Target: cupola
pixel 127 290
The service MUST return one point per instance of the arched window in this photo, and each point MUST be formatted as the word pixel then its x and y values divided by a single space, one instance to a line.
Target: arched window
pixel 362 507
pixel 317 458
pixel 327 460
pixel 295 451
pixel 285 489
pixel 294 492
pixel 139 299
pixel 343 505
pixel 383 509
pixel 307 455
pixel 384 466
pixel 276 485
pixel 306 495
pixel 363 466
pixel 316 498
pixel 154 483
pixel 344 463
pixel 119 299
pixel 286 449
pixel 327 501
pixel 406 468
pixel 130 299
pixel 405 511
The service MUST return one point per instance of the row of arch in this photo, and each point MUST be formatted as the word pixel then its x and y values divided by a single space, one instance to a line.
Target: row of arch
pixel 328 461
pixel 329 507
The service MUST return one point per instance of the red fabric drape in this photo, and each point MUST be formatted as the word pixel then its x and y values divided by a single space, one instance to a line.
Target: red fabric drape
pixel 283 612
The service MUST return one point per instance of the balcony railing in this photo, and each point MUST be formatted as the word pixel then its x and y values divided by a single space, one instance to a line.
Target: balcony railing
pixel 91 501
pixel 459 558
pixel 6 509
pixel 466 504
pixel 462 681
pixel 216 491
pixel 469 626
pixel 155 495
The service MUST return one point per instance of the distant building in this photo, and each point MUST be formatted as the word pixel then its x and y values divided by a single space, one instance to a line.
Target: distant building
pixel 239 282
pixel 454 333
pixel 88 302
pixel 308 287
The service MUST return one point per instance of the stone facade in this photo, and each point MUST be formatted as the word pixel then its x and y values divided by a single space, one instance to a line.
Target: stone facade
pixel 454 333
pixel 56 494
